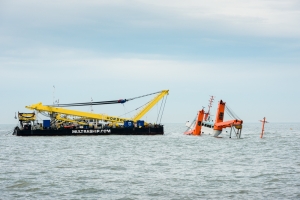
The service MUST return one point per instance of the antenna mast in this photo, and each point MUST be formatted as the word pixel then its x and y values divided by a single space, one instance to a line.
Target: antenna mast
pixel 211 100
pixel 53 94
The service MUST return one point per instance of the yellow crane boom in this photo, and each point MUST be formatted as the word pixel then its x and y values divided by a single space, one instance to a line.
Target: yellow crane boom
pixel 150 105
pixel 58 111
pixel 40 107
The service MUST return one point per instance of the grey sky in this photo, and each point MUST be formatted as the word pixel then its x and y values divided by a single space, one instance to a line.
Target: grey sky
pixel 246 53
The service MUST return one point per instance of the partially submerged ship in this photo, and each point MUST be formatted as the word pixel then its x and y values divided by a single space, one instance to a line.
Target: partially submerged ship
pixel 203 123
pixel 67 122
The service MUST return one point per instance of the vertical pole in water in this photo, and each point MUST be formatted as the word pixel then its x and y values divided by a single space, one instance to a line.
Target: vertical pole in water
pixel 263 127
pixel 230 131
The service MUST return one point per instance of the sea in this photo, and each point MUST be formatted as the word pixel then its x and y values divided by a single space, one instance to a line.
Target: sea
pixel 169 166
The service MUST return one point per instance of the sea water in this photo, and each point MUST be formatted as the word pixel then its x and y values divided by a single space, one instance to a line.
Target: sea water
pixel 171 166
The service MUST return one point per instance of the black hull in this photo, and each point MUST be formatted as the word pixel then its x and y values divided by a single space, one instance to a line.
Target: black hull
pixel 89 132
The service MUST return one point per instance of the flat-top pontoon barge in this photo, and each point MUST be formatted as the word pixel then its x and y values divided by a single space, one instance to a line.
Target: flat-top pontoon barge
pixel 66 122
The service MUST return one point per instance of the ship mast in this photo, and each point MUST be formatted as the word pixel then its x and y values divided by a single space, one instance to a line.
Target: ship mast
pixel 211 100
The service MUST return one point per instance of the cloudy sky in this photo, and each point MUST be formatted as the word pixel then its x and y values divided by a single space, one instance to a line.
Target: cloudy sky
pixel 246 53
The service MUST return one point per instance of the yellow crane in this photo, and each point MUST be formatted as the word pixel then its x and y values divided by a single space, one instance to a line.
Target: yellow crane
pixel 63 119
pixel 26 117
pixel 56 112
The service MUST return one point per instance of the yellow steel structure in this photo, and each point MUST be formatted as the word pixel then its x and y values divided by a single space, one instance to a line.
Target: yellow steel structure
pixel 65 119
pixel 26 116
pixel 151 104
pixel 113 119
pixel 54 110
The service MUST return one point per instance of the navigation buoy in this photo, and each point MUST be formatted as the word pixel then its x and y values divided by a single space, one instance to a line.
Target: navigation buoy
pixel 263 127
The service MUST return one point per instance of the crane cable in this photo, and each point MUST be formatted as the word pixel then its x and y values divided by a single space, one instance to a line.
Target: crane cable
pixel 10 132
pixel 160 109
pixel 45 114
pixel 103 102
pixel 231 113
pixel 163 109
pixel 144 95
pixel 134 109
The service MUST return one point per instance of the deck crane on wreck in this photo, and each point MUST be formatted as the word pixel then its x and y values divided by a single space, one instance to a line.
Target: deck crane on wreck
pixel 59 115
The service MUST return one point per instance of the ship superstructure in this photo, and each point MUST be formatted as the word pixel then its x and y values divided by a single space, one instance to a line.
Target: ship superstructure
pixel 203 124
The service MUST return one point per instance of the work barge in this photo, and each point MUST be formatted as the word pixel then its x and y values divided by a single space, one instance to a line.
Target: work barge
pixel 67 122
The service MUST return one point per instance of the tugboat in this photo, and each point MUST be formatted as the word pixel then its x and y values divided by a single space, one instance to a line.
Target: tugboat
pixel 66 122
pixel 203 124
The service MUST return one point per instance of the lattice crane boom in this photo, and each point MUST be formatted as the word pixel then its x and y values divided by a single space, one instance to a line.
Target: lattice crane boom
pixel 57 111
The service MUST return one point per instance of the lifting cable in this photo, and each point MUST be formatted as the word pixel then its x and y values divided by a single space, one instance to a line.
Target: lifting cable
pixel 163 110
pixel 143 96
pixel 134 109
pixel 231 113
pixel 124 110
pixel 103 102
pixel 228 111
pixel 160 109
pixel 45 114
pixel 6 132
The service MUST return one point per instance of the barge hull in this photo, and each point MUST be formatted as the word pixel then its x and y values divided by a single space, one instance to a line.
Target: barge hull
pixel 89 132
